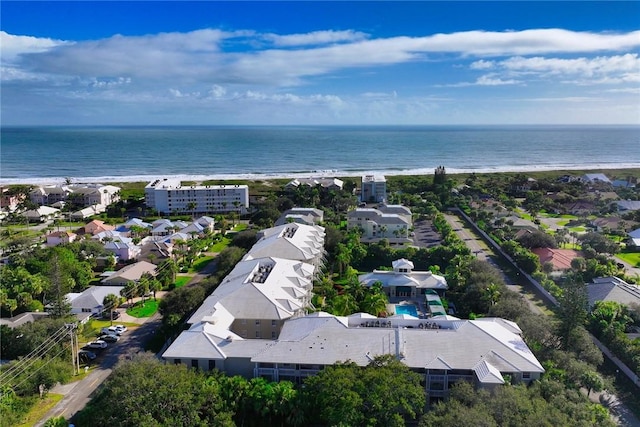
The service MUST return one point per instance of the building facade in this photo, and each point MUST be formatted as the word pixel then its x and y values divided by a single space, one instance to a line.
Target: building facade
pixel 169 196
pixel 373 189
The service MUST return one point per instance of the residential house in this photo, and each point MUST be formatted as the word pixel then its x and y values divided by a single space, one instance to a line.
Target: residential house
pixel 88 212
pixel 634 238
pixel 90 300
pixel 612 289
pixel 580 207
pixel 624 206
pixel 373 189
pixel 60 237
pixel 22 318
pixel 41 214
pixel 170 196
pixel 308 216
pixel 391 222
pixel 324 183
pixel 559 258
pixel 595 178
pixel 608 223
pixel 9 201
pixel 96 226
pixel 128 273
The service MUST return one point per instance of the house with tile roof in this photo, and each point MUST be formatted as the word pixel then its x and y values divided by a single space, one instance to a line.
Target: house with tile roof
pixel 559 258
pixel 96 226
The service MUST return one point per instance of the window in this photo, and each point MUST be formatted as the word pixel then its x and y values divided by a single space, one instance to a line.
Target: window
pixel 258 334
pixel 212 365
pixel 257 322
pixel 194 363
pixel 273 335
pixel 176 361
pixel 273 323
pixel 526 375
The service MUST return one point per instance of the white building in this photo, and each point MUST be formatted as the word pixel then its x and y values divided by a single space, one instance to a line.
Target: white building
pixel 391 222
pixel 80 194
pixel 444 349
pixel 170 196
pixel 374 189
pixel 404 282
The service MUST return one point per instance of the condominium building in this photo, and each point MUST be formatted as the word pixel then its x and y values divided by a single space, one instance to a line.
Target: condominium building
pixel 170 196
pixel 374 189
pixel 391 222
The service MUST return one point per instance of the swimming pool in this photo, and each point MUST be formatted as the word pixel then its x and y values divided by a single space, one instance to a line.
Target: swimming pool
pixel 407 309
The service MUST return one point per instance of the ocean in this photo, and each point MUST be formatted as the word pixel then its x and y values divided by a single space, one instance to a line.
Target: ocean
pixel 38 155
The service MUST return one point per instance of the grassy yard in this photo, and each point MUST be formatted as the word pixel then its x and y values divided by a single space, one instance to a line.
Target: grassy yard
pixel 181 281
pixel 218 247
pixel 147 309
pixel 201 263
pixel 39 409
pixel 632 258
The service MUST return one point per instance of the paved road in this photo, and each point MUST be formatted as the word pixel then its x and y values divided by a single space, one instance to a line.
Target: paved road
pixel 79 393
pixel 621 414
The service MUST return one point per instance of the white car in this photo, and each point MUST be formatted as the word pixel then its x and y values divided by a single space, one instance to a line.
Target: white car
pixel 99 344
pixel 120 328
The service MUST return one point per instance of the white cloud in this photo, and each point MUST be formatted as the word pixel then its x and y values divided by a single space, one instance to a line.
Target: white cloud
pixel 315 38
pixel 217 91
pixel 11 46
pixel 482 65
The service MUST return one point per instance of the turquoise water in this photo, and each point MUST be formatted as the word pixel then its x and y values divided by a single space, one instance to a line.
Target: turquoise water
pixel 95 154
pixel 407 309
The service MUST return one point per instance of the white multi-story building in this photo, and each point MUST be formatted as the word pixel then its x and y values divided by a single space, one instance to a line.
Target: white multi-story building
pixel 391 222
pixel 170 196
pixel 374 189
pixel 79 194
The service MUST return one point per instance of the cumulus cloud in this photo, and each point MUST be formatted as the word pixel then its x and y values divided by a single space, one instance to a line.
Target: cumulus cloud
pixel 12 46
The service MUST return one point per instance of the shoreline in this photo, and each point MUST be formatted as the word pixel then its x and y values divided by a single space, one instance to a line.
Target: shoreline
pixel 42 181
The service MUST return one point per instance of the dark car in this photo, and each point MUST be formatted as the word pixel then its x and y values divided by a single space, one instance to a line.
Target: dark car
pixel 86 356
pixel 109 338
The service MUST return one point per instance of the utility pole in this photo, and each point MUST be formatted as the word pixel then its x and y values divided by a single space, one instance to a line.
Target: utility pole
pixel 75 357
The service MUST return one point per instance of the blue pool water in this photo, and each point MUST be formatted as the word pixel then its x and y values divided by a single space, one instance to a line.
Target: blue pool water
pixel 407 309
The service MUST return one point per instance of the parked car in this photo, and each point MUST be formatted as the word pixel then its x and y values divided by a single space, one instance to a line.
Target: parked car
pixel 120 328
pixel 86 356
pixel 109 338
pixel 97 344
pixel 111 330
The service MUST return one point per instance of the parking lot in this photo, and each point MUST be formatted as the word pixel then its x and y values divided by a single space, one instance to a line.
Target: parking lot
pixel 425 235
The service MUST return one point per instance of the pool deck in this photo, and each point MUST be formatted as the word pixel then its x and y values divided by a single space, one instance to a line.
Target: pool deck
pixel 421 308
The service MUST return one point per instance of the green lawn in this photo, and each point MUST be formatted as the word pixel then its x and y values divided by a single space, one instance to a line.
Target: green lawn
pixel 201 263
pixel 218 247
pixel 181 281
pixel 632 258
pixel 147 310
pixel 239 227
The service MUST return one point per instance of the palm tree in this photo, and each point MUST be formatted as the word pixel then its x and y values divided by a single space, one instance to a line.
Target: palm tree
pixel 192 207
pixel 111 302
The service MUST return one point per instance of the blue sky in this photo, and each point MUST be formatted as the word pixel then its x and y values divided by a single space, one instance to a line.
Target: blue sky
pixel 305 62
